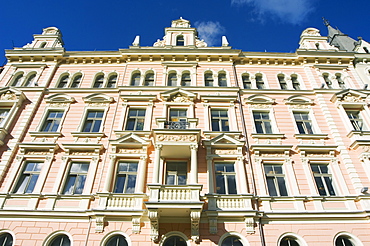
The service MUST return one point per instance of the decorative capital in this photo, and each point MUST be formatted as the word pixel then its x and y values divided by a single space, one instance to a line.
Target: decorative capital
pixel 99 220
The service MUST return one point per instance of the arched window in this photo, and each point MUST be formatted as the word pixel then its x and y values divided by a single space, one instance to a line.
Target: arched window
pixel 117 240
pixel 30 80
pixel 149 79
pixel 327 80
pixel 343 241
pixel 6 239
pixel 180 41
pixel 232 241
pixel 259 81
pixel 18 80
pixel 185 79
pixel 208 79
pixel 288 241
pixel 174 240
pixel 99 81
pixel 172 79
pixel 63 81
pixel 282 82
pixel 247 84
pixel 43 44
pixel 76 81
pixel 222 81
pixel 60 240
pixel 295 82
pixel 135 79
pixel 112 81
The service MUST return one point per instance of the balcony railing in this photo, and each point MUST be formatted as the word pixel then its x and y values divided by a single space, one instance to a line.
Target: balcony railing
pixel 229 202
pixel 174 193
pixel 120 201
pixel 173 125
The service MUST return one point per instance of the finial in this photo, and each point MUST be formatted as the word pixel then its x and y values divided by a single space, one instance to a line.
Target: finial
pixel 224 41
pixel 326 22
pixel 136 41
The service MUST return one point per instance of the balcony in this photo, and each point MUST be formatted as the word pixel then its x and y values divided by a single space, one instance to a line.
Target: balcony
pixel 120 202
pixel 173 125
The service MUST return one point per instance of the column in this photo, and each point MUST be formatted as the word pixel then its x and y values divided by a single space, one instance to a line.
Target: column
pixel 242 175
pixel 157 158
pixel 193 164
pixel 211 188
pixel 108 179
pixel 141 175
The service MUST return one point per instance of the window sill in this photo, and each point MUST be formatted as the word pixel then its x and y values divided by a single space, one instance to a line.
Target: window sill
pixel 121 133
pixel 358 133
pixel 88 134
pixel 268 135
pixel 45 134
pixel 311 136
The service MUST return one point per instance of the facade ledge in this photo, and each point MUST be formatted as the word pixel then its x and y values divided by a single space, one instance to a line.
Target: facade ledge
pixel 311 136
pixel 268 135
pixel 121 202
pixel 88 134
pixel 358 134
pixel 120 133
pixel 222 202
pixel 316 148
pixel 213 134
pixel 270 147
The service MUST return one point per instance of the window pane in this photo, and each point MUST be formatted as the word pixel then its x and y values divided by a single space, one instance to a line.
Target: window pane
pixel 271 186
pixel 6 239
pixel 231 241
pixel 69 185
pixel 220 184
pixel 118 240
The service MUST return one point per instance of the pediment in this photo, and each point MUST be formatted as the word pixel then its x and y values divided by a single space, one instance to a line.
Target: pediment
pixel 260 99
pixel 224 140
pixel 178 95
pixel 98 98
pixel 350 96
pixel 10 94
pixel 298 99
pixel 130 139
pixel 60 98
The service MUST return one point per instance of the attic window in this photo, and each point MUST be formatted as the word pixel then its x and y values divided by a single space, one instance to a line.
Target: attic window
pixel 180 40
pixel 42 45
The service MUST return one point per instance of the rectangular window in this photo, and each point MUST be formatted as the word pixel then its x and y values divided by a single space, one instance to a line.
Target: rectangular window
pixel 76 178
pixel 126 177
pixel 52 121
pixel 29 176
pixel 262 122
pixel 135 120
pixel 219 120
pixel 3 115
pixel 356 120
pixel 178 114
pixel 93 121
pixel 323 179
pixel 275 180
pixel 176 173
pixel 303 122
pixel 225 178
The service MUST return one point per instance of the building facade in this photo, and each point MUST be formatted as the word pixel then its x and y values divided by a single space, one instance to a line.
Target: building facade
pixel 184 144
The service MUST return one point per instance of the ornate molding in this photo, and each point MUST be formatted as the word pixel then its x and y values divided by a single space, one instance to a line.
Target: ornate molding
pixel 136 224
pixel 176 138
pixel 154 221
pixel 249 224
pixel 212 225
pixel 225 151
pixel 99 221
pixel 195 219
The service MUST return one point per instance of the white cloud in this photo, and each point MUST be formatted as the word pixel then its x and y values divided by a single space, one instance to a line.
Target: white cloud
pixel 210 31
pixel 290 11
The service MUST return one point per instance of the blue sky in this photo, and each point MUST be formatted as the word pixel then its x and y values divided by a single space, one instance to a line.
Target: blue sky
pixel 250 25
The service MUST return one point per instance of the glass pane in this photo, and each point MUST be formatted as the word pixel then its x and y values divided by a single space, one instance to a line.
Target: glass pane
pixel 215 125
pixel 120 184
pixel 175 241
pixel 231 184
pixel 231 241
pixel 229 167
pixel 320 186
pixel 220 184
pixel 181 179
pixel 22 183
pixel 271 186
pixel 130 124
pixel 80 184
pixel 69 185
pixel 170 179
pixel 282 187
pixel 329 186
pixel 225 125
pixel 131 184
pixel 96 127
pixel 32 183
pixel 118 240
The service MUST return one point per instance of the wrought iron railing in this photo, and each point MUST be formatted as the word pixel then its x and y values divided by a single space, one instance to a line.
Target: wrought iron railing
pixel 176 124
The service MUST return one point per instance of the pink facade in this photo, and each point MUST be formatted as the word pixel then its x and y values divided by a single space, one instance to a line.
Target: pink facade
pixel 184 144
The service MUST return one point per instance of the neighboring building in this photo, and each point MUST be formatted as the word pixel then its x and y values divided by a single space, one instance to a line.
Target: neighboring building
pixel 184 144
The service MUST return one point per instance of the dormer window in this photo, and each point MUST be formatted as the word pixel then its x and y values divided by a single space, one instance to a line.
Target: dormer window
pixel 180 41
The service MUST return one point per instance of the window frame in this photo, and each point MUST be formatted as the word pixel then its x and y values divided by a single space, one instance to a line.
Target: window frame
pixel 322 177
pixel 19 77
pixel 146 80
pixel 225 175
pixel 260 84
pixel 310 121
pixel 110 235
pixel 135 77
pixel 275 179
pixel 222 80
pixel 136 119
pixel 127 173
pixel 97 82
pixel 85 119
pixel 8 232
pixel 65 77
pixel 248 76
pixel 172 74
pixel 209 81
pixel 176 173
pixel 53 236
pixel 45 119
pixel 282 81
pixel 27 80
pixel 73 80
pixel 186 81
pixel 220 119
pixel 68 175
pixel 21 177
pixel 270 120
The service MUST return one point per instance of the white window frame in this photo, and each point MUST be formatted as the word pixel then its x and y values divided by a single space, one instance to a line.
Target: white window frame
pixel 107 237
pixel 329 174
pixel 53 235
pixel 21 172
pixel 283 174
pixel 67 174
pixel 314 125
pixel 150 71
pixel 270 112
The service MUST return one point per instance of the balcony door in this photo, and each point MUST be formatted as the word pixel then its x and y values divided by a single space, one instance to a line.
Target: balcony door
pixel 176 173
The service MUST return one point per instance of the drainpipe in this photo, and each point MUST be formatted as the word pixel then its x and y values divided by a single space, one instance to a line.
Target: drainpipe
pixel 244 128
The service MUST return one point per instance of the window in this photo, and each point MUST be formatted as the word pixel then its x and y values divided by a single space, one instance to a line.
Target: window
pixel 112 81
pixel 288 241
pixel 52 121
pixel 178 114
pixel 303 123
pixel 176 173
pixel 29 176
pixel 63 81
pixel 232 241
pixel 262 122
pixel 126 177
pixel 93 121
pixel 76 81
pixel 6 239
pixel 30 80
pixel 343 241
pixel 185 79
pixel 3 115
pixel 222 81
pixel 117 240
pixel 323 179
pixel 99 81
pixel 180 41
pixel 135 120
pixel 172 79
pixel 76 178
pixel 282 82
pixel 220 120
pixel 275 180
pixel 327 80
pixel 247 84
pixel 225 178
pixel 341 83
pixel 135 79
pixel 175 240
pixel 259 82
pixel 61 240
pixel 295 82
pixel 356 120
pixel 208 79
pixel 18 80
pixel 149 79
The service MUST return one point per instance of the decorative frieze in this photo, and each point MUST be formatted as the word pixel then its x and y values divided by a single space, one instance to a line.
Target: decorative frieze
pixel 176 138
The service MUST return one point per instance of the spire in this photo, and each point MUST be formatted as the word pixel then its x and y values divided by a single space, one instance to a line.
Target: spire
pixel 339 39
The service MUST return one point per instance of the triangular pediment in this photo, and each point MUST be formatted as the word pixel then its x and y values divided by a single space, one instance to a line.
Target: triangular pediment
pixel 224 140
pixel 130 139
pixel 178 95
pixel 10 94
pixel 350 96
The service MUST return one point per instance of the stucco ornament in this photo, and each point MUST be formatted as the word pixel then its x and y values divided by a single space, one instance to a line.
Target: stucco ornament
pixel 200 43
pixel 181 23
pixel 160 43
pixel 352 98
pixel 311 32
pixel 8 96
pixel 180 98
